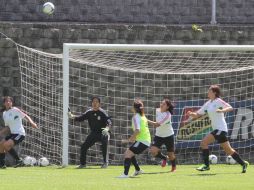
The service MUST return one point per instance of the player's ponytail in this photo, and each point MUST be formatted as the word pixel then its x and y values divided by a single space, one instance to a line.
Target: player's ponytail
pixel 170 105
pixel 139 107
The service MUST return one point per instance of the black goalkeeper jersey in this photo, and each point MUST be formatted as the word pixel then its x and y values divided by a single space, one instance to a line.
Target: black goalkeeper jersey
pixel 96 119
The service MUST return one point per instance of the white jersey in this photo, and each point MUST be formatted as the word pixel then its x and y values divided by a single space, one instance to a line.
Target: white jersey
pixel 13 119
pixel 217 119
pixel 164 119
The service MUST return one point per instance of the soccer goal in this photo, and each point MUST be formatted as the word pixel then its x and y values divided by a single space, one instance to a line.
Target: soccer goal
pixel 119 73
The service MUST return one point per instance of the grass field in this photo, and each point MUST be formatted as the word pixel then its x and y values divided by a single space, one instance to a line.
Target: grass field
pixel 220 177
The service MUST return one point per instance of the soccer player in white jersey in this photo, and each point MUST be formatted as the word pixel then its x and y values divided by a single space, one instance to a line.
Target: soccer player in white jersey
pixel 164 133
pixel 215 107
pixel 13 122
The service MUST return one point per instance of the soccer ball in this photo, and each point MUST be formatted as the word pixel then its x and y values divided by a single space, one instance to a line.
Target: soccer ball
pixel 213 159
pixel 230 160
pixel 43 161
pixel 29 161
pixel 48 8
pixel 33 161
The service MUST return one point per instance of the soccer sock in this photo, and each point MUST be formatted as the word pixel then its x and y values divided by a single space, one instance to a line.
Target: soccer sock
pixel 173 163
pixel 14 154
pixel 104 148
pixel 135 163
pixel 237 158
pixel 161 156
pixel 2 159
pixel 206 156
pixel 127 164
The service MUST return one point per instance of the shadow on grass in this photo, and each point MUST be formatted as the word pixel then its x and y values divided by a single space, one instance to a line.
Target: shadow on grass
pixel 203 174
pixel 213 174
pixel 156 172
pixel 87 168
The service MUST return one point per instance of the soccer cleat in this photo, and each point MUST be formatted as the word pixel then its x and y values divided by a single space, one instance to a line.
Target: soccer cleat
pixel 203 168
pixel 138 173
pixel 123 176
pixel 104 165
pixel 163 163
pixel 81 166
pixel 245 166
pixel 173 169
pixel 19 163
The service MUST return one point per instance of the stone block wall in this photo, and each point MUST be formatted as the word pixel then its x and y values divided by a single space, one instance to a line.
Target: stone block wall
pixel 130 11
pixel 50 37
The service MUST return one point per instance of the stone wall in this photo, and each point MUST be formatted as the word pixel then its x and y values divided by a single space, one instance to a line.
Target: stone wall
pixel 50 37
pixel 130 11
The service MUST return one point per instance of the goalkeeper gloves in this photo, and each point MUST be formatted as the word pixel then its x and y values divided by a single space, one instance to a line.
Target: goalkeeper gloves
pixel 105 131
pixel 71 115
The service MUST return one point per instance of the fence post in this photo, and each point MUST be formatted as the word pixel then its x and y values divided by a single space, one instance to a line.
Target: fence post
pixel 213 19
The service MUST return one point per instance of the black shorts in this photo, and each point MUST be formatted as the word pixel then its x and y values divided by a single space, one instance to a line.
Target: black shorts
pixel 138 147
pixel 220 136
pixel 17 138
pixel 168 141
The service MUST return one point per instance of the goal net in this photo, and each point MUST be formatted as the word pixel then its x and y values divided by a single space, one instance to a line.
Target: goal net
pixel 120 73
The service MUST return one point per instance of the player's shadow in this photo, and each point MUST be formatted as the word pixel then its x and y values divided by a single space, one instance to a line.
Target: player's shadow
pixel 213 174
pixel 207 174
pixel 156 172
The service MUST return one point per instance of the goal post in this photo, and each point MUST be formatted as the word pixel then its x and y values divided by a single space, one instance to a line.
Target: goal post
pixel 118 73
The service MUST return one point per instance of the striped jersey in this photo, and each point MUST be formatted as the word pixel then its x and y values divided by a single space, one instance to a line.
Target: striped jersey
pixel 164 119
pixel 217 119
pixel 13 119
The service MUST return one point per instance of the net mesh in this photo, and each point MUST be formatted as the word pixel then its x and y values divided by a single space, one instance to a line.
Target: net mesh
pixel 118 77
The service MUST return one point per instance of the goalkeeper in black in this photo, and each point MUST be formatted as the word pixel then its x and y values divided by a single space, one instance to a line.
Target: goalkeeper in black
pixel 99 123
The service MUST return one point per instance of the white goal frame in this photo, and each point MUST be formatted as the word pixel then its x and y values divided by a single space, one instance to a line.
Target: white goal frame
pixel 69 46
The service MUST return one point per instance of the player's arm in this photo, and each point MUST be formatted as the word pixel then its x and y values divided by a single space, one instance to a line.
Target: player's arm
pixel 136 121
pixel 194 115
pixel 134 135
pixel 105 131
pixel 199 113
pixel 153 123
pixel 80 118
pixel 28 118
pixel 224 107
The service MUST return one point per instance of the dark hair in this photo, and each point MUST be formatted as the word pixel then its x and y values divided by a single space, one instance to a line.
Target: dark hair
pixel 96 97
pixel 4 99
pixel 216 90
pixel 169 104
pixel 139 107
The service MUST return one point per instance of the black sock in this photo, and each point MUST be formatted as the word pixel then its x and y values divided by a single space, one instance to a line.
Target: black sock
pixel 14 154
pixel 135 163
pixel 127 164
pixel 206 156
pixel 173 163
pixel 2 159
pixel 237 158
pixel 161 156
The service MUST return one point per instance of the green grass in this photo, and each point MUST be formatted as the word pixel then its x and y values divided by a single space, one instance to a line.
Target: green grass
pixel 220 177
